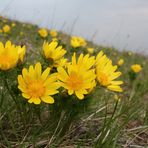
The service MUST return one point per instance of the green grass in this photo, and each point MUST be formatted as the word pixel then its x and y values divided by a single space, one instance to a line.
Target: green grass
pixel 102 122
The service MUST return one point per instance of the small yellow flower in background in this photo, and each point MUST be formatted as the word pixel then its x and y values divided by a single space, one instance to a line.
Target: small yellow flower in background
pixel 8 56
pixel 5 20
pixel 106 73
pixel 1 30
pixel 43 32
pixel 114 53
pixel 120 62
pixel 13 25
pixel 90 50
pixel 53 52
pixel 77 42
pixel 77 78
pixel 54 39
pixel 136 68
pixel 37 86
pixel 21 53
pixel 53 33
pixel 6 28
pixel 116 97
pixel 130 53
pixel 21 33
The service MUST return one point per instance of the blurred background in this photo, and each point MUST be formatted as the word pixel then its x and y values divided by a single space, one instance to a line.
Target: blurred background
pixel 122 24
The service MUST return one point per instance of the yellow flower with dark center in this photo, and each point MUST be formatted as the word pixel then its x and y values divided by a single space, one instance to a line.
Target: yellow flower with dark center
pixel 53 52
pixel 77 78
pixel 120 62
pixel 136 68
pixel 6 28
pixel 43 32
pixel 77 42
pixel 106 73
pixel 53 33
pixel 37 86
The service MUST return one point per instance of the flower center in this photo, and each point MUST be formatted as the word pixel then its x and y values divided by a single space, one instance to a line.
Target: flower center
pixel 36 88
pixel 75 81
pixel 103 79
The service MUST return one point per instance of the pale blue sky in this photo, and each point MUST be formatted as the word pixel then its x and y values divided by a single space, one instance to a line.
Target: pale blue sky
pixel 119 23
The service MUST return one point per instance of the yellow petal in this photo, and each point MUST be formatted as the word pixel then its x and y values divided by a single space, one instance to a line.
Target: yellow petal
pixel 47 99
pixel 79 95
pixel 34 100
pixel 45 74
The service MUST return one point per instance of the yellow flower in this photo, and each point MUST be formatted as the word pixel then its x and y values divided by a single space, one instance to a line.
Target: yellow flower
pixel 90 50
pixel 37 86
pixel 117 98
pixel 53 33
pixel 129 53
pixel 21 33
pixel 77 78
pixel 6 29
pixel 136 68
pixel 106 73
pixel 43 32
pixel 13 25
pixel 21 52
pixel 120 62
pixel 8 56
pixel 53 52
pixel 54 39
pixel 61 63
pixel 77 42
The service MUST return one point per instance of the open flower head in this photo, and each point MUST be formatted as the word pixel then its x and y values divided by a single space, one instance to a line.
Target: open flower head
pixel 106 73
pixel 6 28
pixel 53 52
pixel 8 56
pixel 77 42
pixel 53 33
pixel 77 78
pixel 37 86
pixel 43 32
pixel 136 68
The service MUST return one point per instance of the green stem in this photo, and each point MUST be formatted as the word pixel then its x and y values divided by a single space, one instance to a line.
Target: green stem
pixel 9 89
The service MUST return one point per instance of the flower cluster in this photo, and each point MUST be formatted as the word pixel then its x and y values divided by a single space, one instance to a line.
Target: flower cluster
pixel 78 76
